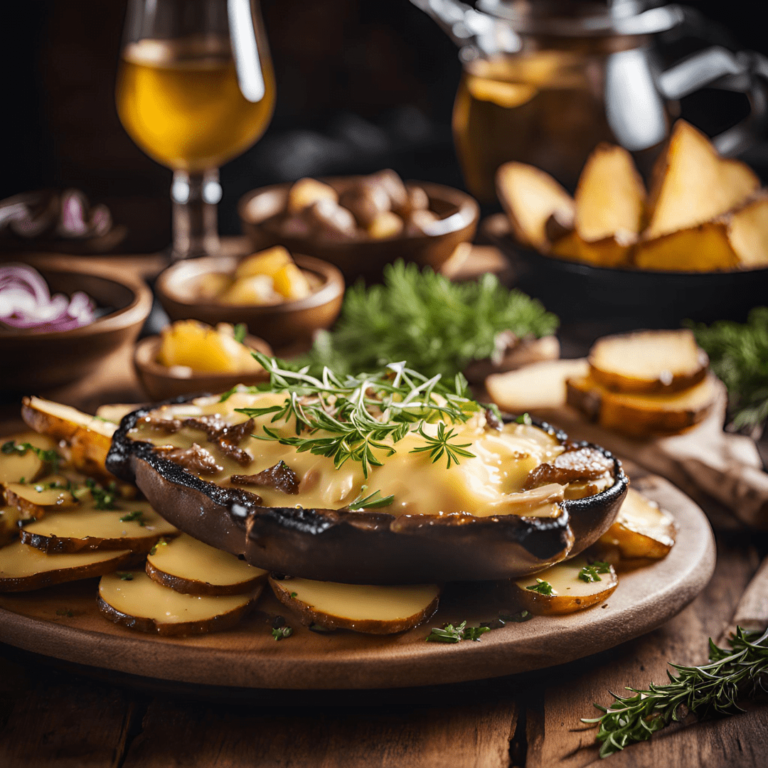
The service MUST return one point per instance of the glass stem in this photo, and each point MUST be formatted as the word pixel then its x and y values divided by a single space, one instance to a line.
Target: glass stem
pixel 195 230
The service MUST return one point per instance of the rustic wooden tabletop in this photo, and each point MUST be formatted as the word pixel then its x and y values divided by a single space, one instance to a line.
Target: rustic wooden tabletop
pixel 56 716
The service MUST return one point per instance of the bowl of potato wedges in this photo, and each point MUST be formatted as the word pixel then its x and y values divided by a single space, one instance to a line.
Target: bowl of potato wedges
pixel 694 245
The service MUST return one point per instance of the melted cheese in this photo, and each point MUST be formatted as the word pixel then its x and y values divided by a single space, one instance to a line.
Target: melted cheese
pixel 488 484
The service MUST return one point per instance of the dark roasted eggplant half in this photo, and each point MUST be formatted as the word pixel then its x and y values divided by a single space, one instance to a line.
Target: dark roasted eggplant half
pixel 206 485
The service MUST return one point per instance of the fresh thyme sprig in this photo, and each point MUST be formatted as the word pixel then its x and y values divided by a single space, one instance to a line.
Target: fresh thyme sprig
pixel 712 688
pixel 353 417
pixel 370 501
pixel 451 634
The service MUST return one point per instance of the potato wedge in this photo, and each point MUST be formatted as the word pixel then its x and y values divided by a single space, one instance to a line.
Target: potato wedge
pixel 49 494
pixel 642 415
pixel 133 600
pixel 15 466
pixel 748 233
pixel 193 568
pixel 24 568
pixel 137 527
pixel 610 197
pixel 703 248
pixel 692 184
pixel 529 197
pixel 575 586
pixel 534 387
pixel 88 438
pixel 373 610
pixel 612 251
pixel 9 524
pixel 642 529
pixel 648 362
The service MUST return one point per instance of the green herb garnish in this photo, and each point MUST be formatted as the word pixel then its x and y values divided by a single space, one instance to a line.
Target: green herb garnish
pixel 542 587
pixel 102 498
pixel 517 618
pixel 451 634
pixel 370 501
pixel 712 688
pixel 417 315
pixel 137 516
pixel 738 354
pixel 281 632
pixel 241 331
pixel 351 417
pixel 294 594
pixel 524 418
pixel 161 543
pixel 590 573
pixel 49 457
pixel 125 575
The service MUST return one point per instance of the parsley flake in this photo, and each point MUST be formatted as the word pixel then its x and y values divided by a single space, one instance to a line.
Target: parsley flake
pixel 451 634
pixel 279 633
pixel 589 573
pixel 137 516
pixel 542 588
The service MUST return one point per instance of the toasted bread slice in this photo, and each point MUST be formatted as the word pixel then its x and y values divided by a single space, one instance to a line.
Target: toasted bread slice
pixel 693 184
pixel 703 248
pixel 642 415
pixel 648 362
pixel 529 197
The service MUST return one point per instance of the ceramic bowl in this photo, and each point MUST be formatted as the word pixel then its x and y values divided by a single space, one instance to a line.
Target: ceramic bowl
pixel 459 214
pixel 36 362
pixel 280 325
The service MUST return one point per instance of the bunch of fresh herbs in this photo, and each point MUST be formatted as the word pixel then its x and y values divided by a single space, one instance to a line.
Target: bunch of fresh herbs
pixel 428 321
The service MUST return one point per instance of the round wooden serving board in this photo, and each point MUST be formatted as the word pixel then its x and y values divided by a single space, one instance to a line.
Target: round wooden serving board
pixel 63 622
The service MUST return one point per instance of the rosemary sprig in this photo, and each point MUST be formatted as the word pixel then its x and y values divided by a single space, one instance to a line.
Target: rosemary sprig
pixel 712 688
pixel 357 417
pixel 370 501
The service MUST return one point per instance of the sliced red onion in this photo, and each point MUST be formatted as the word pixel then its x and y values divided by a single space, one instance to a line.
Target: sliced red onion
pixel 26 303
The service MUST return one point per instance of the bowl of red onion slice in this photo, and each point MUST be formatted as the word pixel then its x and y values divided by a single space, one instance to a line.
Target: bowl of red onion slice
pixel 61 317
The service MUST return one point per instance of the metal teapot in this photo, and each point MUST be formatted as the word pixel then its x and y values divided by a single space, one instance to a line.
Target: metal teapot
pixel 544 82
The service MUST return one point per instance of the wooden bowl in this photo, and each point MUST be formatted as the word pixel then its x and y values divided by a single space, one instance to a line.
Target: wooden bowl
pixel 34 362
pixel 163 383
pixel 458 211
pixel 279 324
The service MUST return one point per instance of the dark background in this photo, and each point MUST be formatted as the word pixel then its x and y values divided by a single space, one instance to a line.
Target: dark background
pixel 361 85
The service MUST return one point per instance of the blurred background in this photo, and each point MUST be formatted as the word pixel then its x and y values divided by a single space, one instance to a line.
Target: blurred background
pixel 361 85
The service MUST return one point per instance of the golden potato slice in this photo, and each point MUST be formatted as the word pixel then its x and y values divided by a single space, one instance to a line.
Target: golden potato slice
pixel 373 610
pixel 704 248
pixel 24 465
pixel 137 527
pixel 642 529
pixel 610 196
pixel 48 494
pixel 648 362
pixel 642 415
pixel 693 184
pixel 189 566
pixel 9 524
pixel 24 568
pixel 748 233
pixel 529 197
pixel 135 601
pixel 307 191
pixel 534 387
pixel 268 262
pixel 575 585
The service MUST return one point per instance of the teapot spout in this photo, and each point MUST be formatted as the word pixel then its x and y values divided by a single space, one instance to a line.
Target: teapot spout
pixel 476 34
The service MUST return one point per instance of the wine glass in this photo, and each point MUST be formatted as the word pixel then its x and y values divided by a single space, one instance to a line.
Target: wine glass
pixel 195 88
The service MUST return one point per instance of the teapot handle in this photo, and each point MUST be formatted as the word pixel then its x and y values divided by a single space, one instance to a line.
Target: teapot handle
pixel 717 67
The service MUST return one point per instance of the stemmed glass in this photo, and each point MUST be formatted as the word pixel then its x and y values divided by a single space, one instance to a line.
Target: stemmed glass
pixel 195 88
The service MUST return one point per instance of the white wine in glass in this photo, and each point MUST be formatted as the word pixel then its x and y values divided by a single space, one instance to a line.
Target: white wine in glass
pixel 195 89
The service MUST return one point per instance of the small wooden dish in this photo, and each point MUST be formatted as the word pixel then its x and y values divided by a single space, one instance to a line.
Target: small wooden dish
pixel 458 211
pixel 279 324
pixel 35 362
pixel 163 383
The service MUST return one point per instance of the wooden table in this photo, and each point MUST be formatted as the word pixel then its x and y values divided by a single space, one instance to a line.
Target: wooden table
pixel 59 717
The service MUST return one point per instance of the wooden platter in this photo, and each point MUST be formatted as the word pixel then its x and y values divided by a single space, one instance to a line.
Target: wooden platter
pixel 63 623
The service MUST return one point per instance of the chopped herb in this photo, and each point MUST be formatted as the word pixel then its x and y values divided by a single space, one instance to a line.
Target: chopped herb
pixel 161 543
pixel 49 457
pixel 437 446
pixel 65 612
pixel 369 502
pixel 137 516
pixel 125 575
pixel 241 331
pixel 589 573
pixel 518 617
pixel 542 587
pixel 294 594
pixel 102 498
pixel 281 632
pixel 525 418
pixel 451 634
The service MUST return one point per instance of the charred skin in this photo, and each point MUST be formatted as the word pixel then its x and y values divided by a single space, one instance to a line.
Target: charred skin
pixel 362 547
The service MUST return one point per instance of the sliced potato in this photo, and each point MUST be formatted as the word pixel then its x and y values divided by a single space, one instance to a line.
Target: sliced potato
pixel 642 415
pixel 693 184
pixel 9 524
pixel 50 493
pixel 570 593
pixel 88 438
pixel 373 610
pixel 748 233
pixel 135 601
pixel 87 529
pixel 703 248
pixel 24 568
pixel 114 412
pixel 610 196
pixel 28 467
pixel 648 361
pixel 534 387
pixel 612 251
pixel 642 529
pixel 529 197
pixel 193 568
